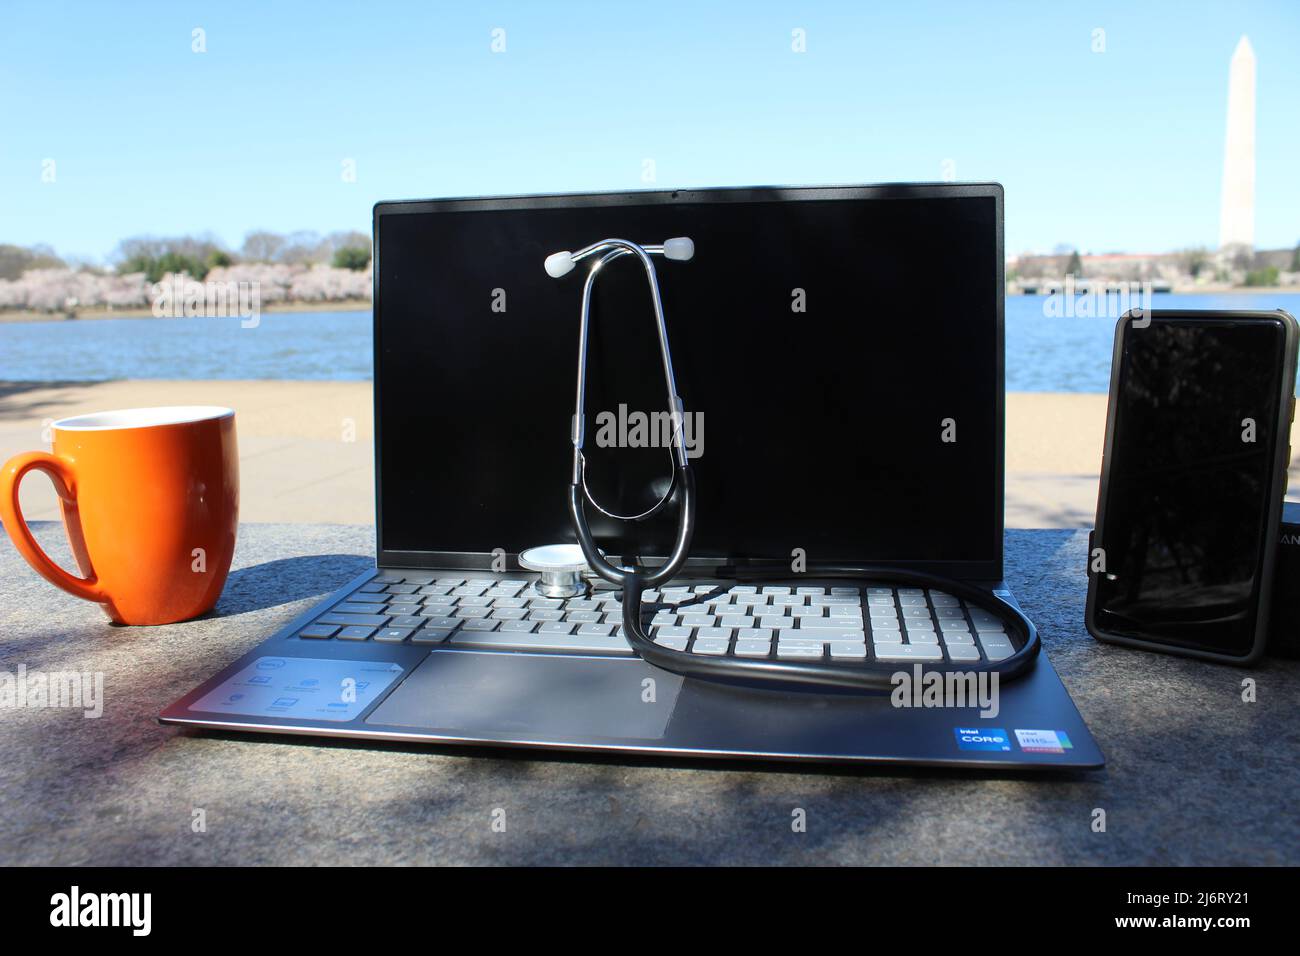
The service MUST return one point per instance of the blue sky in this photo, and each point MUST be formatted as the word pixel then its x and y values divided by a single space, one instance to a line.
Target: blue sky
pixel 1120 150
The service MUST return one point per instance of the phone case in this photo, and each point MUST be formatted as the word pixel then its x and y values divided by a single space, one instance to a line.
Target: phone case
pixel 1282 459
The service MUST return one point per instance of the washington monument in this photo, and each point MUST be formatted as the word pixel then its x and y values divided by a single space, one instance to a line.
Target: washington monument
pixel 1237 216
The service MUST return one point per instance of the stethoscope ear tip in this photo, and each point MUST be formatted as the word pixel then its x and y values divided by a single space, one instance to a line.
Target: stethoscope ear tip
pixel 559 264
pixel 682 248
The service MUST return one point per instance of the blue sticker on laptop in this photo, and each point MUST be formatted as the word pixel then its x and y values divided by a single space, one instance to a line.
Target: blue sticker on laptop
pixel 982 738
pixel 1043 741
pixel 304 688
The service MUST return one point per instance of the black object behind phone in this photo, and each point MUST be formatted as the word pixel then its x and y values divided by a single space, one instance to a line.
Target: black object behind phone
pixel 1192 480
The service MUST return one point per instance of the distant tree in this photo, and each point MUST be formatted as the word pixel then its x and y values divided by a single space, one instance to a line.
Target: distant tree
pixel 1262 277
pixel 355 258
pixel 1295 259
pixel 156 257
pixel 262 246
pixel 1193 261
pixel 304 248
pixel 1075 266
pixel 219 259
pixel 15 260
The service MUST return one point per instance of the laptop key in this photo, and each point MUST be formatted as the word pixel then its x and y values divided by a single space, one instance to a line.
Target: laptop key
pixel 519 627
pixel 713 646
pixel 908 652
pixel 598 630
pixel 543 614
pixel 995 650
pixel 963 653
pixel 403 588
pixel 345 620
pixel 409 620
pixel 799 652
pixel 672 643
pixel 354 608
pixel 830 624
pixel 671 631
pixel 753 647
pixel 556 627
pixel 355 633
pixel 480 624
pixel 437 620
pixel 393 635
pixel 318 631
pixel 848 650
pixel 403 610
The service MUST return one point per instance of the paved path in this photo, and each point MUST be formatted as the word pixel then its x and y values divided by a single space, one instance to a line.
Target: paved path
pixel 1194 774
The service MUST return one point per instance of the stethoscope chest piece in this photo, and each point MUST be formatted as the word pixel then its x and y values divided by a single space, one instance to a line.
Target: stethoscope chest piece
pixel 561 566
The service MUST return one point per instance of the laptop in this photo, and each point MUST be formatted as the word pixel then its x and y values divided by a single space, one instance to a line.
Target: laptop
pixel 840 355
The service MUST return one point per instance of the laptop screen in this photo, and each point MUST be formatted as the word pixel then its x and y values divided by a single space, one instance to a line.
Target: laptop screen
pixel 838 352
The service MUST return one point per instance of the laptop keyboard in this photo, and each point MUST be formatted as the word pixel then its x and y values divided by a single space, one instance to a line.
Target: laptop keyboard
pixel 832 623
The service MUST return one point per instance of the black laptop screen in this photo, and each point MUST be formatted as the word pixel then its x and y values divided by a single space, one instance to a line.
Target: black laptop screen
pixel 839 356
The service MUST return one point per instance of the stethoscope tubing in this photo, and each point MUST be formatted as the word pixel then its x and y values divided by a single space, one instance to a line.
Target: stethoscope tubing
pixel 803 675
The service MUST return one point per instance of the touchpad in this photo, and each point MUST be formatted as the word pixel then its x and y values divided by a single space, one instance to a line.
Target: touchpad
pixel 533 697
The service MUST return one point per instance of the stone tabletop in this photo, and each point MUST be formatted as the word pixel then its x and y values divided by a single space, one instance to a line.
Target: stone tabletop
pixel 1195 774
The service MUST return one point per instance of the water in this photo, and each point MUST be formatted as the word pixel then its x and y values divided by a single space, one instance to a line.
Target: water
pixel 1073 354
pixel 1043 354
pixel 294 345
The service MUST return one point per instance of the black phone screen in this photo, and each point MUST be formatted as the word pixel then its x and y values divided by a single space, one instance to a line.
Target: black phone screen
pixel 1192 474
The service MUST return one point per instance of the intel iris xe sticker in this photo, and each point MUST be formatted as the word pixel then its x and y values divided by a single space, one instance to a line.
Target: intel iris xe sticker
pixel 1043 741
pixel 982 738
pixel 306 688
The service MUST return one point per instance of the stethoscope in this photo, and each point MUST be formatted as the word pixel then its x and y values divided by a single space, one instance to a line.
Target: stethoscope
pixel 561 570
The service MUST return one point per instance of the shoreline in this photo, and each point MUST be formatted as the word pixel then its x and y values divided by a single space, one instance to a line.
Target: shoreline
pixel 92 315
pixel 307 453
pixel 364 305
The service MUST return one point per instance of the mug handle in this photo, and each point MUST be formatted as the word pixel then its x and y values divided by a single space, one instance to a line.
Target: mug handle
pixel 60 473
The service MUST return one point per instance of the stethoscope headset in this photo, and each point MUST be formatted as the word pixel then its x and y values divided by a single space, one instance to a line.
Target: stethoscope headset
pixel 636 581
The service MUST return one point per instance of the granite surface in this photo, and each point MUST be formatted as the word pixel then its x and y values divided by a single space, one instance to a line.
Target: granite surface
pixel 1195 775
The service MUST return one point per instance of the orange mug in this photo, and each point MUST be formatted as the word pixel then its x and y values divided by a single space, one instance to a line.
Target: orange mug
pixel 150 502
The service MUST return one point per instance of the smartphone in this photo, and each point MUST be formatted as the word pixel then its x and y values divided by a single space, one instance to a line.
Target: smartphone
pixel 1192 479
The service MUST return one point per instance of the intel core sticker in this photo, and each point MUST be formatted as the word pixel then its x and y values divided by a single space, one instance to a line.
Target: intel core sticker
pixel 1043 741
pixel 307 688
pixel 982 738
